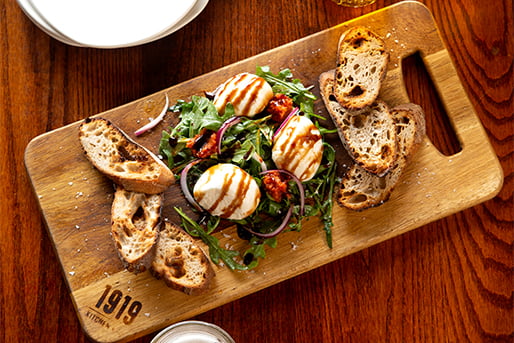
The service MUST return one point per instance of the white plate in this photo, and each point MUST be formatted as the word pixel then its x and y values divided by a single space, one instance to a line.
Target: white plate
pixel 198 7
pixel 112 23
pixel 34 16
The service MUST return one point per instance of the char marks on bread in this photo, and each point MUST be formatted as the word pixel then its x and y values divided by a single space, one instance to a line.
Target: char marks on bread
pixel 124 161
pixel 135 222
pixel 410 125
pixel 180 261
pixel 361 66
pixel 368 134
pixel 380 141
pixel 169 253
pixel 360 189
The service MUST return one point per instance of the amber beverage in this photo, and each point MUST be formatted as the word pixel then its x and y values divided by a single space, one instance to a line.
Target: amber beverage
pixel 354 3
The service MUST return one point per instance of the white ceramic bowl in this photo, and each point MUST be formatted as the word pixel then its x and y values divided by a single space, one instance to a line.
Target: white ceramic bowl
pixel 193 331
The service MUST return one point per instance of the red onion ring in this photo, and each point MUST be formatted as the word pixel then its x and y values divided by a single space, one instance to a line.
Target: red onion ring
pixel 155 121
pixel 298 183
pixel 284 122
pixel 183 185
pixel 277 230
pixel 224 127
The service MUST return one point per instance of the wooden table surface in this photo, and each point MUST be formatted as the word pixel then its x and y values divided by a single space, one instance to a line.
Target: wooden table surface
pixel 449 281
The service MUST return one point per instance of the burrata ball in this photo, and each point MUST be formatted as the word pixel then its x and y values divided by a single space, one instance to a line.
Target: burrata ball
pixel 227 191
pixel 298 148
pixel 249 94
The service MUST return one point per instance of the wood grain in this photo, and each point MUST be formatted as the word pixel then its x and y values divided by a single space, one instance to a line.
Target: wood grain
pixel 447 281
pixel 76 201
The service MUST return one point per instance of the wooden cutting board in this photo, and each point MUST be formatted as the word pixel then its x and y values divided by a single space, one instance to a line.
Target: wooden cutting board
pixel 115 305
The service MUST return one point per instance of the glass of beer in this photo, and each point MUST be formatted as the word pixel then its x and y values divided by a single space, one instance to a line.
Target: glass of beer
pixel 354 3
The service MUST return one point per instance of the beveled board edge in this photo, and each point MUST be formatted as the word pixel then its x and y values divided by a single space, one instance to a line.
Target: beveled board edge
pixel 360 229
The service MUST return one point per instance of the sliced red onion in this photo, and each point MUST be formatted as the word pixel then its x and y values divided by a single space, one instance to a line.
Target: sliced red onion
pixel 298 183
pixel 259 159
pixel 224 127
pixel 293 112
pixel 155 121
pixel 185 189
pixel 278 230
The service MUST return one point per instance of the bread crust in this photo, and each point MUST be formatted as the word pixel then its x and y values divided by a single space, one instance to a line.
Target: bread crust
pixel 121 159
pixel 369 134
pixel 367 184
pixel 409 117
pixel 180 261
pixel 360 189
pixel 361 67
pixel 135 222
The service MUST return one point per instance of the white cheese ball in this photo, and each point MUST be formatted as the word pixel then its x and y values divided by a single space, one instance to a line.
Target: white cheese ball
pixel 298 148
pixel 249 94
pixel 227 191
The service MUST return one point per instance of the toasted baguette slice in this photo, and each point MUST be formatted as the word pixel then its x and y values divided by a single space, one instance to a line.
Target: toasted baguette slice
pixel 359 189
pixel 369 135
pixel 410 123
pixel 361 66
pixel 180 262
pixel 121 159
pixel 135 226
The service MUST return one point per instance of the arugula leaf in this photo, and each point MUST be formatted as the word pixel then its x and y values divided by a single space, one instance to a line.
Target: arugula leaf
pixel 216 252
pixel 197 114
pixel 284 83
pixel 245 139
pixel 245 144
pixel 165 148
pixel 257 250
pixel 321 190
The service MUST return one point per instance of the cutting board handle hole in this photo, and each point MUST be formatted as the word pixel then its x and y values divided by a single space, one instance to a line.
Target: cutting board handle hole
pixel 439 127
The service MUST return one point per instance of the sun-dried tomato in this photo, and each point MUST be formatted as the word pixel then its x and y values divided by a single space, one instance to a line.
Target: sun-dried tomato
pixel 203 144
pixel 279 107
pixel 275 184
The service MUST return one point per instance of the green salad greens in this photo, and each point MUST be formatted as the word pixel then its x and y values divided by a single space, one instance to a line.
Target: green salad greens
pixel 247 143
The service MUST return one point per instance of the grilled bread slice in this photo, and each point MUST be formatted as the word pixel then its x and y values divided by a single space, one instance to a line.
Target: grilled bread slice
pixel 135 222
pixel 360 189
pixel 361 66
pixel 180 262
pixel 369 134
pixel 121 159
pixel 410 128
